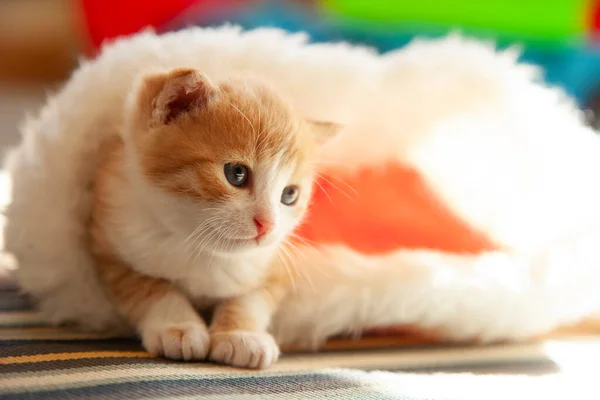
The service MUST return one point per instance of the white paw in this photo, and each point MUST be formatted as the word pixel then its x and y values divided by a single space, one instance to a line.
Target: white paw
pixel 183 341
pixel 243 349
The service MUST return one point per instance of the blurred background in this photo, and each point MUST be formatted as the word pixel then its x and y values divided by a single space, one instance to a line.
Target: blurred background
pixel 42 40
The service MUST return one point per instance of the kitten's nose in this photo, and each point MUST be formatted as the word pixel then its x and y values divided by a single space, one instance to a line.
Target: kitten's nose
pixel 263 226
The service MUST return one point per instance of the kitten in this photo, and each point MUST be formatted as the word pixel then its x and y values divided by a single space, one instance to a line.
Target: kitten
pixel 190 206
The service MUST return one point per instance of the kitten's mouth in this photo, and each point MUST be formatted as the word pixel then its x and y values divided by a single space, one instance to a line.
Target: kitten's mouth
pixel 246 240
pixel 241 244
pixel 257 240
pixel 233 243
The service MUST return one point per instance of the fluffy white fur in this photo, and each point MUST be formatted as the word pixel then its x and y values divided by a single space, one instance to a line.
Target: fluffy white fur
pixel 55 164
pixel 509 155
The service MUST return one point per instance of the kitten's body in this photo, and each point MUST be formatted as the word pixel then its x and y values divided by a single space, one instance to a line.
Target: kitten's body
pixel 172 232
pixel 49 243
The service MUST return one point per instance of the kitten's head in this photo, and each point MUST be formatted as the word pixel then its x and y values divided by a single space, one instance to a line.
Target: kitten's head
pixel 229 166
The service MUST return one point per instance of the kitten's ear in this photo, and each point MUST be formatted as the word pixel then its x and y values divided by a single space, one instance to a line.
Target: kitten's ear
pixel 324 131
pixel 166 96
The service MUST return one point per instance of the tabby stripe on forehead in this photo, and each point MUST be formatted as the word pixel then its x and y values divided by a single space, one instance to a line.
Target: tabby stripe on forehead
pixel 279 156
pixel 174 165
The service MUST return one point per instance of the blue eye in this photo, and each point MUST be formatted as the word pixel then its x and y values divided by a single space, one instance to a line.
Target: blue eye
pixel 290 194
pixel 237 174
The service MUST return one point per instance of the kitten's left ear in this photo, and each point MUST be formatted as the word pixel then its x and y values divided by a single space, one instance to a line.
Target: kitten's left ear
pixel 324 131
pixel 163 97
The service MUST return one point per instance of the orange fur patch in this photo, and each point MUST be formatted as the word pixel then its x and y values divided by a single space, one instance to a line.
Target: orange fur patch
pixel 240 122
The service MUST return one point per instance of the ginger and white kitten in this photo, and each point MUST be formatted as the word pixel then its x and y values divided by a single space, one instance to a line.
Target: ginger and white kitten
pixel 190 207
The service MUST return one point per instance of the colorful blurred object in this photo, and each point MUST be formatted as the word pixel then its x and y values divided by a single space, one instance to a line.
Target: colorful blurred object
pixel 558 35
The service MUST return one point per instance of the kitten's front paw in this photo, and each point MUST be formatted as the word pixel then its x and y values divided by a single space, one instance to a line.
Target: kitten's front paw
pixel 184 341
pixel 244 349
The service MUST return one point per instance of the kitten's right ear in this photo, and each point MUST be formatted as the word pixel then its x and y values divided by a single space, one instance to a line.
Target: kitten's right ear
pixel 325 131
pixel 166 96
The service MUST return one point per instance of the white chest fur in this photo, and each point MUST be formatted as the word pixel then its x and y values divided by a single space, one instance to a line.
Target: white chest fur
pixel 149 248
pixel 220 278
pixel 204 275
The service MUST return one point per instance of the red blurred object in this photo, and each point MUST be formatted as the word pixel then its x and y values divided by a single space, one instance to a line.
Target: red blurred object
pixel 594 21
pixel 107 19
pixel 365 212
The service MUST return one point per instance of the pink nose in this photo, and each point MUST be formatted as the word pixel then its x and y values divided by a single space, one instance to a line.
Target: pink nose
pixel 263 226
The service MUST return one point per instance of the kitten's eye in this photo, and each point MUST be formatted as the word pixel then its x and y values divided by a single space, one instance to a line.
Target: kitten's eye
pixel 290 195
pixel 237 174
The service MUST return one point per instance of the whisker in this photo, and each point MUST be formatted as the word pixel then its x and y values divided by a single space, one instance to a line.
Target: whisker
pixel 191 246
pixel 332 175
pixel 259 119
pixel 263 130
pixel 312 243
pixel 267 128
pixel 340 190
pixel 229 232
pixel 199 228
pixel 295 251
pixel 206 241
pixel 245 117
pixel 217 240
pixel 285 262
pixel 324 191
pixel 198 232
pixel 303 256
pixel 198 244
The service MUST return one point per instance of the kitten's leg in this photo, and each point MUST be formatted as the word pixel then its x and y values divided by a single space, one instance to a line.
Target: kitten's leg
pixel 165 319
pixel 238 331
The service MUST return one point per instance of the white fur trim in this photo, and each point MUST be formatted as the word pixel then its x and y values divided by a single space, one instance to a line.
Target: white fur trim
pixel 507 154
pixel 492 296
pixel 53 168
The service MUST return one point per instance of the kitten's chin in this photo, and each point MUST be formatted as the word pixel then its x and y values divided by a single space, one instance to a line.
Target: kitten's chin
pixel 243 245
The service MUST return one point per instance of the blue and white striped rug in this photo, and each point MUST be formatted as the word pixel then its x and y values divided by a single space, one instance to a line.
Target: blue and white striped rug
pixel 41 362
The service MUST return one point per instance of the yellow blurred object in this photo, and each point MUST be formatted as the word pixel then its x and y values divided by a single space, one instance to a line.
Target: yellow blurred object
pixel 40 40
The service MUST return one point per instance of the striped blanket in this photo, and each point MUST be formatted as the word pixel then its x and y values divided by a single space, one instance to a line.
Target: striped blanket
pixel 40 362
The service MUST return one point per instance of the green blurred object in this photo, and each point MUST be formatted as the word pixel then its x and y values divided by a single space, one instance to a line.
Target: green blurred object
pixel 526 20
